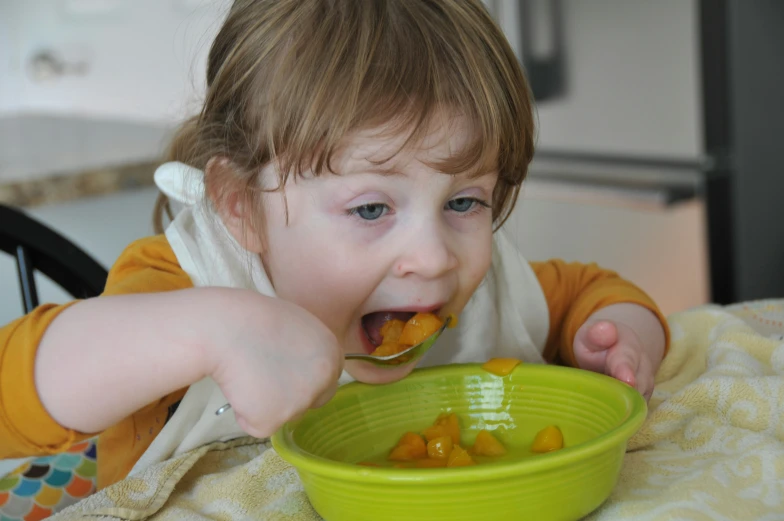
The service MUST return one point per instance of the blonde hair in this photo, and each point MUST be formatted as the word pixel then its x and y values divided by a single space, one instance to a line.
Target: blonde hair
pixel 288 80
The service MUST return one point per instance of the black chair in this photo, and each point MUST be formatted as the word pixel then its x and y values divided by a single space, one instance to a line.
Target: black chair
pixel 37 247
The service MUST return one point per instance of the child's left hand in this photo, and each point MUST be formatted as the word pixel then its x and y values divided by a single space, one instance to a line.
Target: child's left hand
pixel 625 341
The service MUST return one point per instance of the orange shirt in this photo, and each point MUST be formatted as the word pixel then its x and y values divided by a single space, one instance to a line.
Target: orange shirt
pixel 573 293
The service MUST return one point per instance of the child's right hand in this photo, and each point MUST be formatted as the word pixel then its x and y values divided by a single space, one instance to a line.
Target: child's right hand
pixel 273 360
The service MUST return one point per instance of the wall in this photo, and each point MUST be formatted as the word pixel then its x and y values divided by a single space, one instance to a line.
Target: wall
pixel 9 95
pixel 146 57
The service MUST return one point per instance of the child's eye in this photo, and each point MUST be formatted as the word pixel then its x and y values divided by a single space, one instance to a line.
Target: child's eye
pixel 369 212
pixel 465 204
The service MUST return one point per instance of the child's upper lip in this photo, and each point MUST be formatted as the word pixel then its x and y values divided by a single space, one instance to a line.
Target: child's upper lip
pixel 411 309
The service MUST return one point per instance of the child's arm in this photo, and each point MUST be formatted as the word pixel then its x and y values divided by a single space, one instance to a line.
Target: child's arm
pixel 602 322
pixel 84 366
pixel 130 349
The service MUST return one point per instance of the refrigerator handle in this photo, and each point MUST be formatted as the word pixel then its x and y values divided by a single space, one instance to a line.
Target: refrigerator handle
pixel 643 196
pixel 542 54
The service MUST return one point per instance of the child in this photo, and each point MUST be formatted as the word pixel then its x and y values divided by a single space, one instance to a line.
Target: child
pixel 352 162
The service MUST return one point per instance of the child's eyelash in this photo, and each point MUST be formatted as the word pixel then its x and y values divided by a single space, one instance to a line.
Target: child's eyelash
pixel 477 205
pixel 376 211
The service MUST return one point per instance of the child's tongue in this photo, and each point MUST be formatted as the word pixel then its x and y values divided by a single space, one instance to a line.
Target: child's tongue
pixel 372 323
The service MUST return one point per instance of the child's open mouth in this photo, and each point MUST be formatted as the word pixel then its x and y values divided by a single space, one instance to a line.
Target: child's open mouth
pixel 372 323
pixel 390 332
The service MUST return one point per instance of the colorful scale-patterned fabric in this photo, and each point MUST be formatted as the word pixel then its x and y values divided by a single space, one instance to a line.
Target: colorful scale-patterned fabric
pixel 44 486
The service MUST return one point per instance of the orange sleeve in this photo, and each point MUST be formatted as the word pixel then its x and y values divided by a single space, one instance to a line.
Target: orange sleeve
pixel 574 292
pixel 146 266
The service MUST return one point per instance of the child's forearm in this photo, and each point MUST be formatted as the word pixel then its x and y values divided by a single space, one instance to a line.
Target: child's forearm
pixel 105 358
pixel 640 320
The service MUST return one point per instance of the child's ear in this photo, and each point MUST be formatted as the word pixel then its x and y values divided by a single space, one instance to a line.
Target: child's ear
pixel 233 203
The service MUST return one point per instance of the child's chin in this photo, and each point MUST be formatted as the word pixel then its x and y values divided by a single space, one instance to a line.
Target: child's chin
pixel 368 373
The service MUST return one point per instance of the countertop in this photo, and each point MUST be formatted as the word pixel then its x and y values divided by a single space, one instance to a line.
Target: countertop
pixel 46 158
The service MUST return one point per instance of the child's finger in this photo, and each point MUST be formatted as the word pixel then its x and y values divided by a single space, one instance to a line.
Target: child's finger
pixel 622 364
pixel 326 396
pixel 601 335
pixel 248 428
pixel 645 379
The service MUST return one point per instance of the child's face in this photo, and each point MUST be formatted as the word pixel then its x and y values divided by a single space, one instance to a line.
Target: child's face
pixel 395 237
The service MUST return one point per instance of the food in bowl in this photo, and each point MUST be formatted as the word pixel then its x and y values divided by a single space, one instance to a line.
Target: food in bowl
pixel 440 445
pixel 548 439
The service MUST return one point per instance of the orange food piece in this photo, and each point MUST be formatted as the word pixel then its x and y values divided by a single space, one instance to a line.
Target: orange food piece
pixel 486 445
pixel 388 349
pixel 390 331
pixel 419 328
pixel 459 458
pixel 440 448
pixel 452 320
pixel 548 439
pixel 434 432
pixel 445 425
pixel 410 447
pixel 501 366
pixel 430 463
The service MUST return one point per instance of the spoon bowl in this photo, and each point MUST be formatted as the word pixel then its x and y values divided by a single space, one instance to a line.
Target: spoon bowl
pixel 411 354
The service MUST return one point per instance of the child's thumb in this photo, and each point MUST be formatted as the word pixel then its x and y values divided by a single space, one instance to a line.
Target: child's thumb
pixel 601 335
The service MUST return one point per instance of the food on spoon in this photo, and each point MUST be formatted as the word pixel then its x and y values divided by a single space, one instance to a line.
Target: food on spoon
pixel 390 331
pixel 548 439
pixel 389 349
pixel 397 336
pixel 500 366
pixel 419 328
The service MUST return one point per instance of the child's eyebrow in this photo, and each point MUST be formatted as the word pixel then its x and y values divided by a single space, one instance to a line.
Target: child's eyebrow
pixel 368 167
pixel 389 171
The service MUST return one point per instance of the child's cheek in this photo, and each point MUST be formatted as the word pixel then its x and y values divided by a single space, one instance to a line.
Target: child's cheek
pixel 479 265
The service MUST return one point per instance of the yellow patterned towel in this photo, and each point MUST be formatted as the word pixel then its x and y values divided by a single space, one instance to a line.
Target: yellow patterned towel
pixel 711 449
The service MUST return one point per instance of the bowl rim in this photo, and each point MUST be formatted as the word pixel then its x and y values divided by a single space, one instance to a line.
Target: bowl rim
pixel 282 440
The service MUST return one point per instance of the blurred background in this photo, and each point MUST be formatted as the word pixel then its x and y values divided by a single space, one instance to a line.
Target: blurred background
pixel 659 124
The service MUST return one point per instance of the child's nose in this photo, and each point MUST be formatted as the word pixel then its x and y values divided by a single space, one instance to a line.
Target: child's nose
pixel 427 253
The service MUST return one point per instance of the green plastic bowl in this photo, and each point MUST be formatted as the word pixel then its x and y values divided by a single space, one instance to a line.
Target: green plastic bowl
pixel 597 415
